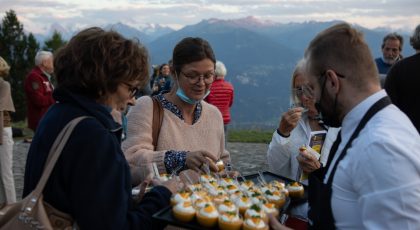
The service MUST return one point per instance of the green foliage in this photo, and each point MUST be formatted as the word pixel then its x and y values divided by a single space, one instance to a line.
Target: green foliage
pixel 14 49
pixel 32 48
pixel 249 136
pixel 55 42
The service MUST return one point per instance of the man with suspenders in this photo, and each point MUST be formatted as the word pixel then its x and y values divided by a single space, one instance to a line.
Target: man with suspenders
pixel 372 177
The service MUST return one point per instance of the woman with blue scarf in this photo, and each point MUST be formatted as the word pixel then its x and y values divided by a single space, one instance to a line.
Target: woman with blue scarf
pixel 192 133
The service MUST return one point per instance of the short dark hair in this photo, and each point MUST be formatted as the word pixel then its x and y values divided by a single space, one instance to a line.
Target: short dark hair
pixel 393 36
pixel 94 62
pixel 161 66
pixel 190 50
pixel 415 38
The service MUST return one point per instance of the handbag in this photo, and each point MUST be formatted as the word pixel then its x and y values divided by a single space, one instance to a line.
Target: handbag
pixel 33 212
pixel 156 124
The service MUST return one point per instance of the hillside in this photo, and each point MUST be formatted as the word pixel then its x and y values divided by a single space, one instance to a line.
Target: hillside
pixel 259 56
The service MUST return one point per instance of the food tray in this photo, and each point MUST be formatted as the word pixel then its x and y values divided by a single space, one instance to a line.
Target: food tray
pixel 269 176
pixel 165 215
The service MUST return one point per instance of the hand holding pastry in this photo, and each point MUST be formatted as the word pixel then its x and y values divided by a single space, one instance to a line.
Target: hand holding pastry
pixel 307 161
pixel 289 120
pixel 196 159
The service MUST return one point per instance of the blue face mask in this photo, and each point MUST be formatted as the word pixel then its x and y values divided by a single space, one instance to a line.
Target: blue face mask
pixel 181 94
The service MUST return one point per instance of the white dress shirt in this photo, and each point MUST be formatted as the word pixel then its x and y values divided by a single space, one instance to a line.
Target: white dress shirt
pixel 377 184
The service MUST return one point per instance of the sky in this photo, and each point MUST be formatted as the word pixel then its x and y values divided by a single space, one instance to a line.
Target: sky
pixel 38 15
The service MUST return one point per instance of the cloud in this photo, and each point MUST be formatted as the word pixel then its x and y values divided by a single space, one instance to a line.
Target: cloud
pixel 38 15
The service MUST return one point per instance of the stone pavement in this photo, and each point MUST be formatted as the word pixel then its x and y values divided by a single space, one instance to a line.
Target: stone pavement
pixel 247 158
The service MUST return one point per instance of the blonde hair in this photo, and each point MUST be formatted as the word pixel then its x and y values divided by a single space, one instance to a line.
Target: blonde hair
pixel 4 68
pixel 299 70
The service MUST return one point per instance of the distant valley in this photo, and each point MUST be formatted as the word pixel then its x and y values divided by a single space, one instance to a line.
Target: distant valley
pixel 259 57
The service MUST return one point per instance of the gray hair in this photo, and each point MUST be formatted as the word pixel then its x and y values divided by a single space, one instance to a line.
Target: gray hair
pixel 4 68
pixel 41 56
pixel 393 36
pixel 220 69
pixel 415 39
pixel 299 70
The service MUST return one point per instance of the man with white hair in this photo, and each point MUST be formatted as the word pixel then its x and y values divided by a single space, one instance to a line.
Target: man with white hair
pixel 403 82
pixel 38 88
pixel 392 45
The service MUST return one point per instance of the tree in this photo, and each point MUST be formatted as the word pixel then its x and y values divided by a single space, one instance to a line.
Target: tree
pixel 55 42
pixel 32 48
pixel 14 49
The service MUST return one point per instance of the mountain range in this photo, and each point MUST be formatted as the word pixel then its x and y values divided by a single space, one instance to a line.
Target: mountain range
pixel 259 56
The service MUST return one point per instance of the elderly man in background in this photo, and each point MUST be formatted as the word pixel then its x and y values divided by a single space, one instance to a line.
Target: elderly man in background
pixel 392 45
pixel 403 82
pixel 38 88
pixel 221 94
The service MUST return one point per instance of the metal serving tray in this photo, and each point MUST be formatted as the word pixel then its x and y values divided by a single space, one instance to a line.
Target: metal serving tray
pixel 165 215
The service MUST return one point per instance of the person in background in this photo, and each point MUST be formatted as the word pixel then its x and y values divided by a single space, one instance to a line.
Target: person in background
pixel 392 45
pixel 403 82
pixel 7 182
pixel 163 82
pixel 91 180
pixel 375 162
pixel 221 94
pixel 155 74
pixel 191 133
pixel 38 88
pixel 295 129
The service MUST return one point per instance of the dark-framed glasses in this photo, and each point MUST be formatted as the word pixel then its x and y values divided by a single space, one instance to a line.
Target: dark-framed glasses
pixel 194 78
pixel 133 89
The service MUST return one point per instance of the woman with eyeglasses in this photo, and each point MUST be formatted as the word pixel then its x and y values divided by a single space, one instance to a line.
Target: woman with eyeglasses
pixel 191 135
pixel 295 129
pixel 97 71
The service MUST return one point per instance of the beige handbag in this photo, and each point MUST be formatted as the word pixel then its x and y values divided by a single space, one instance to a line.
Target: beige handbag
pixel 33 212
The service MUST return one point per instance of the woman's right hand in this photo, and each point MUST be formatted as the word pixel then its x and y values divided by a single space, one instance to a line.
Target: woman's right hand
pixel 289 120
pixel 307 162
pixel 196 159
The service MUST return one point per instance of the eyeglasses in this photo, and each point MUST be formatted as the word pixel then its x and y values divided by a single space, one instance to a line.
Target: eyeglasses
pixel 303 90
pixel 133 89
pixel 194 78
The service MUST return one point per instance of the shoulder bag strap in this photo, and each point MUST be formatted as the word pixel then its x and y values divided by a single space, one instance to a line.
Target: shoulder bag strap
pixel 53 156
pixel 157 121
pixel 379 105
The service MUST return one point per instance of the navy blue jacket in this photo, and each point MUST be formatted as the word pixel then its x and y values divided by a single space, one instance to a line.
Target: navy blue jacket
pixel 91 180
pixel 383 67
